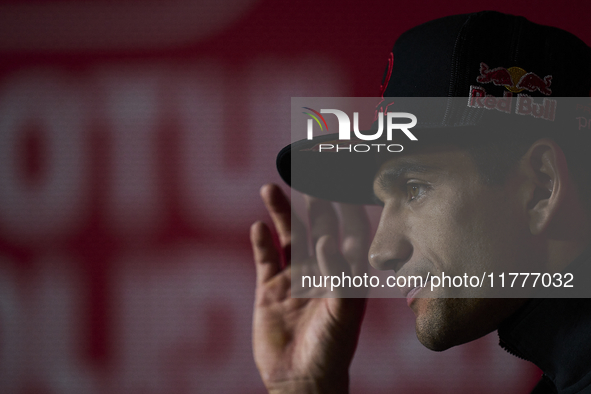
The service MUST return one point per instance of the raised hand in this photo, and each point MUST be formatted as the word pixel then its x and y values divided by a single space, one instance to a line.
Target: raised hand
pixel 306 345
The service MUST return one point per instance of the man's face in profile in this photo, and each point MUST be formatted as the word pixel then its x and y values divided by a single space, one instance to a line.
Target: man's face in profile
pixel 439 216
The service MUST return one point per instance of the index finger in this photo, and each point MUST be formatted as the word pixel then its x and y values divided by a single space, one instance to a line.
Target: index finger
pixel 323 219
pixel 291 231
pixel 356 236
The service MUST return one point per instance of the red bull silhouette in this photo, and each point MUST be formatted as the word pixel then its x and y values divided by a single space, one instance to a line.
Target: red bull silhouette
pixel 531 82
pixel 515 79
pixel 499 76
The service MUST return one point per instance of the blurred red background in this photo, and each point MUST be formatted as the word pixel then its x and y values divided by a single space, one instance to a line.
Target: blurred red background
pixel 134 136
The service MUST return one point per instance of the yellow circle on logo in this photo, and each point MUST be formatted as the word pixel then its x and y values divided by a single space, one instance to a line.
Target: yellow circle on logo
pixel 516 74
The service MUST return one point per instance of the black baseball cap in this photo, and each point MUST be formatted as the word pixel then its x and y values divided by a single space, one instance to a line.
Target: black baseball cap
pixel 481 56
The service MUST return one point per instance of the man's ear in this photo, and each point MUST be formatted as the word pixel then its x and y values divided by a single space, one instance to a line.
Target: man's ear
pixel 547 179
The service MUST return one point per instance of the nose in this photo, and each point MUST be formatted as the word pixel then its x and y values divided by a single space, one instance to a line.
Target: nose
pixel 391 247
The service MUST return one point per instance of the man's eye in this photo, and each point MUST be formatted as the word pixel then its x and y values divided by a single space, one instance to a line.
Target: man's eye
pixel 414 190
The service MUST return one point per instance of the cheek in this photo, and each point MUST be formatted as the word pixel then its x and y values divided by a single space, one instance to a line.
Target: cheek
pixel 450 232
pixel 468 233
pixel 491 233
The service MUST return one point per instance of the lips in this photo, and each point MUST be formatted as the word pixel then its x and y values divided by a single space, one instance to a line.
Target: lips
pixel 410 295
pixel 409 292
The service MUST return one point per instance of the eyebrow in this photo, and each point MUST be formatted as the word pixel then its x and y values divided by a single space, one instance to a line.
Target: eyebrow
pixel 390 177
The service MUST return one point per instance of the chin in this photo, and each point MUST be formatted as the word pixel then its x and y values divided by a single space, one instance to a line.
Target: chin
pixel 435 338
pixel 446 322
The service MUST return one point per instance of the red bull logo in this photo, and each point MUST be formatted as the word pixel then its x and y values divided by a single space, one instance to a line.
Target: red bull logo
pixel 524 105
pixel 515 79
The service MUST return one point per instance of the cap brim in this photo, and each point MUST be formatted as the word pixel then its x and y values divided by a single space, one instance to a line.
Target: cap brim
pixel 347 176
pixel 337 176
